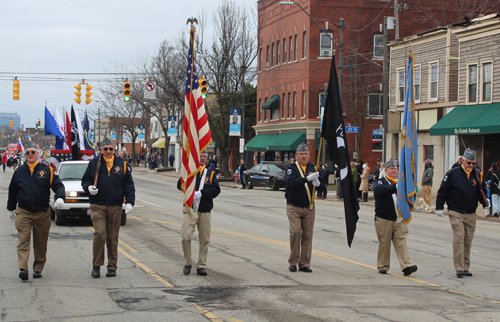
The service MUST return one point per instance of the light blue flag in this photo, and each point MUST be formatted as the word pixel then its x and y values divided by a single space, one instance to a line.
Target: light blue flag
pixel 407 176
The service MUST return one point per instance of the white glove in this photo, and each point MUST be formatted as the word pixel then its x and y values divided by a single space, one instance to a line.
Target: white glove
pixel 489 204
pixel 128 208
pixel 440 213
pixel 59 202
pixel 12 214
pixel 93 190
pixel 313 176
pixel 316 182
pixel 197 195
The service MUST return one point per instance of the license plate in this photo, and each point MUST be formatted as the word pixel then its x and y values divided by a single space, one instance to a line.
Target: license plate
pixel 88 211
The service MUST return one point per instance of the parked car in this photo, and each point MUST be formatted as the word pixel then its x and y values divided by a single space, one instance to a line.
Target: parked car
pixel 371 182
pixel 265 175
pixel 77 202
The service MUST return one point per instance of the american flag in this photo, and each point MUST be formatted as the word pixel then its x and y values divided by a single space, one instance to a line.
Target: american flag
pixel 196 134
pixel 58 156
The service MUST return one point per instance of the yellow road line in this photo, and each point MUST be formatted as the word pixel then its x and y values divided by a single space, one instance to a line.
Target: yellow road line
pixel 130 248
pixel 324 255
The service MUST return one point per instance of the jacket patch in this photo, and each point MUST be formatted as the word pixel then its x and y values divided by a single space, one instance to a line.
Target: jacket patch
pixel 117 169
pixel 42 174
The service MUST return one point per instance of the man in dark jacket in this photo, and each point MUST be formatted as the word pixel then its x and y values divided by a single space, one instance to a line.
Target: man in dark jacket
pixel 199 216
pixel 427 181
pixel 300 178
pixel 458 189
pixel 114 184
pixel 29 195
pixel 388 224
pixel 242 168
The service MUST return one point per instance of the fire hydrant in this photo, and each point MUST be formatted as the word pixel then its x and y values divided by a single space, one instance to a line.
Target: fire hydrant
pixel 235 177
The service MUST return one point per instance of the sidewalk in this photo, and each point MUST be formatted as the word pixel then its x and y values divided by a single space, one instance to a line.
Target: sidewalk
pixel 331 195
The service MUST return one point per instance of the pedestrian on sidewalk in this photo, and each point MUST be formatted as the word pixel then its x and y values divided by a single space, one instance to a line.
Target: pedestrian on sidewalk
pixel 459 191
pixel 388 224
pixel 114 184
pixel 28 205
pixel 364 186
pixel 495 190
pixel 427 181
pixel 171 159
pixel 241 169
pixel 324 174
pixel 199 218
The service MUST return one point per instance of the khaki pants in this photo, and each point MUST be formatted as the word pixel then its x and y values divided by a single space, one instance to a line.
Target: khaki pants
pixel 427 194
pixel 39 222
pixel 188 227
pixel 463 227
pixel 106 221
pixel 301 234
pixel 388 231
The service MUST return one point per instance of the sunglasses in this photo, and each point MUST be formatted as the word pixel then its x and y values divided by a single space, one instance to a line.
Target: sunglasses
pixel 469 163
pixel 30 152
pixel 108 149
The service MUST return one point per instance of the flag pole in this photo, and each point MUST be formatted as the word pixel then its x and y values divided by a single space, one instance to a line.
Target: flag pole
pixel 316 167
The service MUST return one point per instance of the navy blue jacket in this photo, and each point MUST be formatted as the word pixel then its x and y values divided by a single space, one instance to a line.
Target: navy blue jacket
pixel 32 191
pixel 459 192
pixel 295 190
pixel 383 190
pixel 211 190
pixel 113 186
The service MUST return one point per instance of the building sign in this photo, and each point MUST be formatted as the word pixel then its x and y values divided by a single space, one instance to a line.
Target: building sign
pixel 234 121
pixel 467 131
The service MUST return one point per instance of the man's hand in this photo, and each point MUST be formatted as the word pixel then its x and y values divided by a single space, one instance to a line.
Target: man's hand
pixel 93 190
pixel 197 195
pixel 316 183
pixel 440 213
pixel 12 214
pixel 128 208
pixel 59 202
pixel 313 176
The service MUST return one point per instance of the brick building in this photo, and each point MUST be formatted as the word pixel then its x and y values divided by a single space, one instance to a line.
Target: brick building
pixel 294 59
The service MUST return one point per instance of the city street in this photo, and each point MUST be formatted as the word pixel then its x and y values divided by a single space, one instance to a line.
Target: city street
pixel 248 277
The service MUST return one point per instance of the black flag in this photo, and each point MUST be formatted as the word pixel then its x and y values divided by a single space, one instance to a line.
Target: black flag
pixel 75 139
pixel 333 130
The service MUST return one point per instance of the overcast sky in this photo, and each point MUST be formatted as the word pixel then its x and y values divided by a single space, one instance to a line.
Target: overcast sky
pixel 61 36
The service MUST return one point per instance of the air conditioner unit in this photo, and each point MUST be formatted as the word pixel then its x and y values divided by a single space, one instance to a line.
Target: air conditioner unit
pixel 326 52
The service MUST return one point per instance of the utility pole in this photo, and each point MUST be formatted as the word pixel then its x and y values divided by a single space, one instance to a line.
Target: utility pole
pixel 342 26
pixel 396 19
pixel 243 71
pixel 385 92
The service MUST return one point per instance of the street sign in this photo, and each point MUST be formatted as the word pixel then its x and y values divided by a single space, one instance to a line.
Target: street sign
pixel 352 129
pixel 150 90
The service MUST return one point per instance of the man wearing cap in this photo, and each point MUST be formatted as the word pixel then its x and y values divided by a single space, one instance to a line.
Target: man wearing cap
pixel 300 179
pixel 114 184
pixel 459 191
pixel 388 224
pixel 427 181
pixel 205 192
pixel 29 195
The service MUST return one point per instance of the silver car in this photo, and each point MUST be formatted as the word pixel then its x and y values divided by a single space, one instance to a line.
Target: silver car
pixel 77 201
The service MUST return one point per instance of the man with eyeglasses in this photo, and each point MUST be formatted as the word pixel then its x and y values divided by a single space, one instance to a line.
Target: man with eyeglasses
pixel 300 179
pixel 460 193
pixel 114 184
pixel 29 195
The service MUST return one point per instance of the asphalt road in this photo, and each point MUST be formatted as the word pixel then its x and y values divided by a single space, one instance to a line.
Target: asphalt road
pixel 248 277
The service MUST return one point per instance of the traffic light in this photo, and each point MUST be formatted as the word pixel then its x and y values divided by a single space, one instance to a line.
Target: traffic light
pixel 39 124
pixel 11 124
pixel 78 93
pixel 88 94
pixel 203 86
pixel 126 91
pixel 16 90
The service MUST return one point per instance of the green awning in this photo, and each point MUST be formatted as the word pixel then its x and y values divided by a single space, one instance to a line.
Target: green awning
pixel 260 142
pixel 273 102
pixel 469 119
pixel 287 141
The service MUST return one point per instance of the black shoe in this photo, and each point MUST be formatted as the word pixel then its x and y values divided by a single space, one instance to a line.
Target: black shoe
pixel 23 275
pixel 467 273
pixel 292 268
pixel 489 216
pixel 382 271
pixel 201 272
pixel 111 273
pixel 96 272
pixel 187 270
pixel 411 269
pixel 37 274
pixel 242 188
pixel 306 269
pixel 460 274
